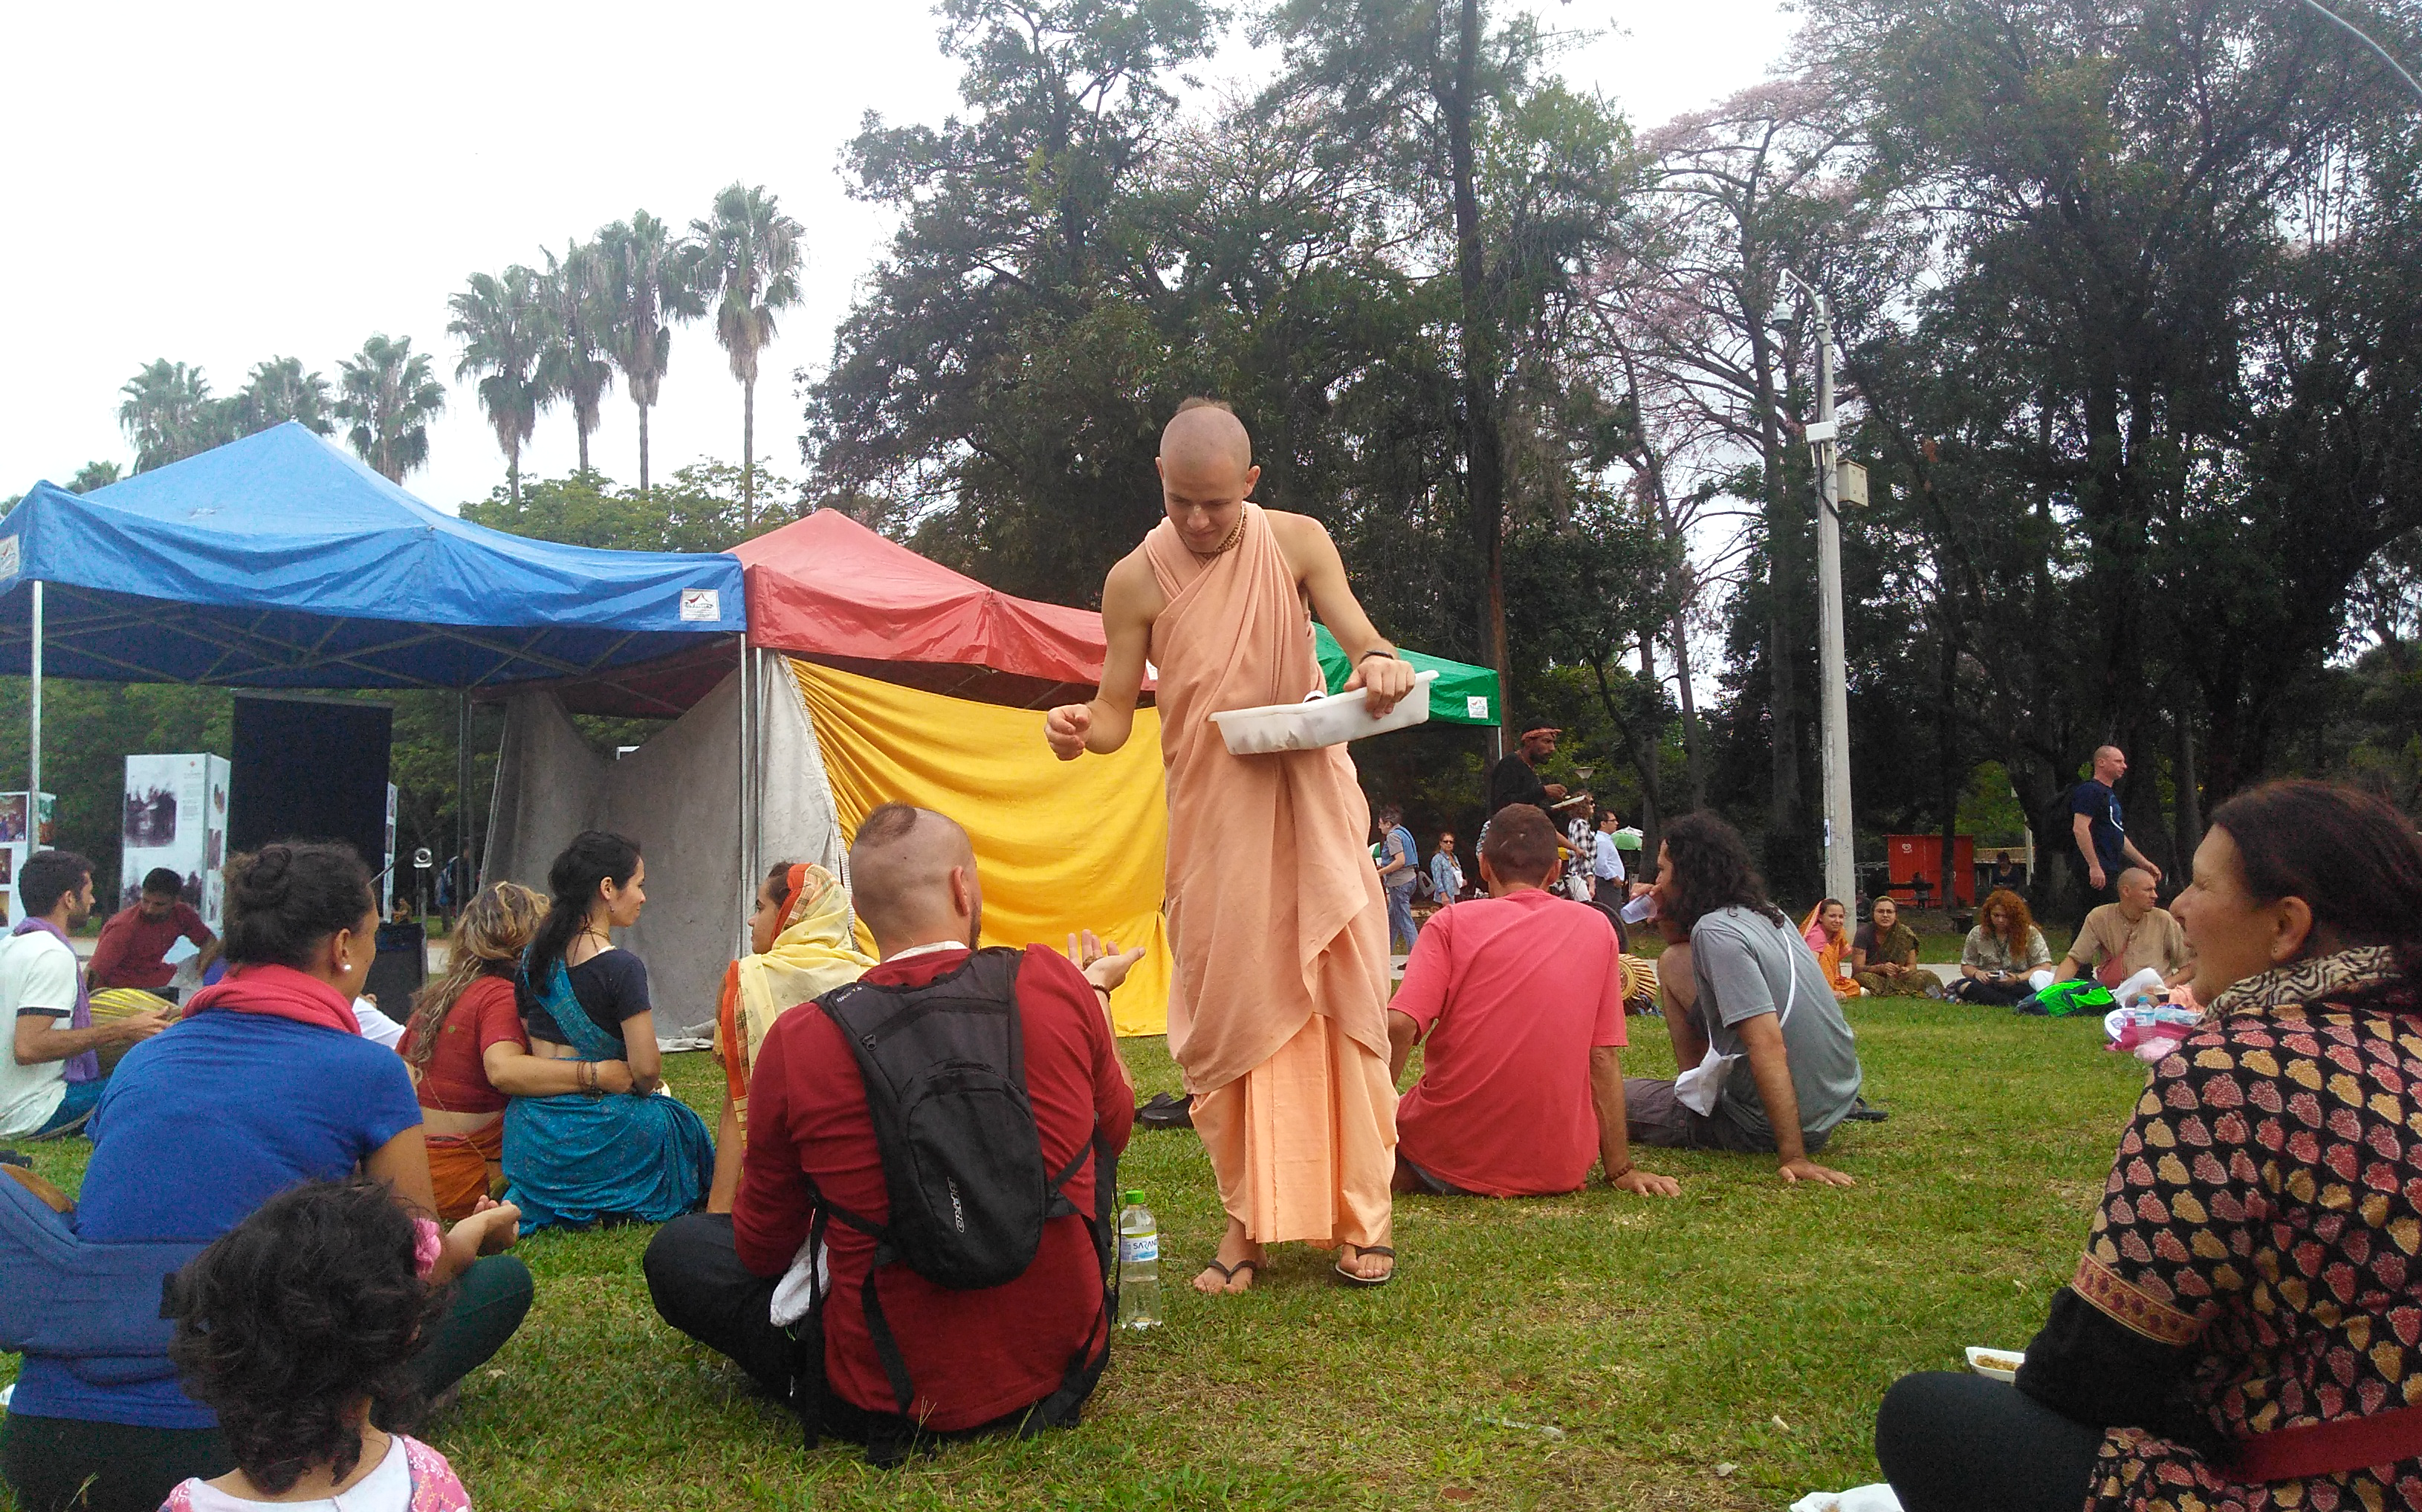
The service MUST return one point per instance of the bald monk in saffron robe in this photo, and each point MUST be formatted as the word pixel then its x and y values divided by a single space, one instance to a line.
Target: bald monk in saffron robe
pixel 1279 926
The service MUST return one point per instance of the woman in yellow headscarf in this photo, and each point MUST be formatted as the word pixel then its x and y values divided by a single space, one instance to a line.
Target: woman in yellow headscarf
pixel 803 948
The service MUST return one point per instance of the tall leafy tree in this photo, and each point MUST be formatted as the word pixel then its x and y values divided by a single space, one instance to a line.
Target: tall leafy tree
pixel 388 395
pixel 750 264
pixel 573 363
pixel 504 329
pixel 169 415
pixel 649 284
pixel 91 476
pixel 280 390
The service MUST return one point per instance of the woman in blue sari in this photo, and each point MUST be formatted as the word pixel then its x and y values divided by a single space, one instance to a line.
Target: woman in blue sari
pixel 579 1157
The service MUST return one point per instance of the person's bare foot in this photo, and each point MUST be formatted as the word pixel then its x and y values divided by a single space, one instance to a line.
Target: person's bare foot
pixel 1368 1264
pixel 1238 1264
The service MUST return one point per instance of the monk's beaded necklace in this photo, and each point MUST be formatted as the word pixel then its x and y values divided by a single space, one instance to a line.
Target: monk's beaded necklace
pixel 1222 549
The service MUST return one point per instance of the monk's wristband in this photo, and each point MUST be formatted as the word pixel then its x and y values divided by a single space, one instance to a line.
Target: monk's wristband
pixel 1387 651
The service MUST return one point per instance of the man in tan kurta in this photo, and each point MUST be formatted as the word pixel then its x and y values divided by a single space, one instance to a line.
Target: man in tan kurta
pixel 1279 1019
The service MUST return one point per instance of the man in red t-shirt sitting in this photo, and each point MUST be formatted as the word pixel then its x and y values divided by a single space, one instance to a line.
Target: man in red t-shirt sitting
pixel 980 1361
pixel 134 943
pixel 1521 998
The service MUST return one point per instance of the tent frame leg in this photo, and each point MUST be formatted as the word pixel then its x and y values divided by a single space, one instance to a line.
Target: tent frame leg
pixel 34 732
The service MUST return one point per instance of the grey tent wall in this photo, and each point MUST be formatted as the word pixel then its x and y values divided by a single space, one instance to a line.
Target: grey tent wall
pixel 678 796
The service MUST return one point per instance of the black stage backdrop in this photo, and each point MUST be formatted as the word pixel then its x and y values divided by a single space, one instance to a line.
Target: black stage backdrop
pixel 309 769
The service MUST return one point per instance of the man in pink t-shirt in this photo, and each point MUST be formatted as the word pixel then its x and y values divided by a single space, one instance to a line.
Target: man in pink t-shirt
pixel 1520 997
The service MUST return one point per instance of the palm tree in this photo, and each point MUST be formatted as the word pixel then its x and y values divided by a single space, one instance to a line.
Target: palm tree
pixel 93 475
pixel 648 286
pixel 279 391
pixel 750 258
pixel 572 363
pixel 169 415
pixel 390 395
pixel 502 327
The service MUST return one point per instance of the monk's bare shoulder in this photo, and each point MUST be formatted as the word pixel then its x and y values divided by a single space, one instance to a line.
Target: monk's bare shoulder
pixel 1302 540
pixel 1131 592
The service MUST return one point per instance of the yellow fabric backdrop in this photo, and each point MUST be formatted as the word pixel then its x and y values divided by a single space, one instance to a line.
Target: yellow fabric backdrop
pixel 1061 845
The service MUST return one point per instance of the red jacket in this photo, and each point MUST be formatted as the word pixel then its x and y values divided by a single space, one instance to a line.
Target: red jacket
pixel 974 1356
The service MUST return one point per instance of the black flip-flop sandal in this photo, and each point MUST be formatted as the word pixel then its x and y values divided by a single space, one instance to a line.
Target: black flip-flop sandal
pixel 1360 1250
pixel 1228 1272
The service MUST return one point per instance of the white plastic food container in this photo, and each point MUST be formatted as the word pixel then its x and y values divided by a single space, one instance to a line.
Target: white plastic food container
pixel 1997 1364
pixel 1316 722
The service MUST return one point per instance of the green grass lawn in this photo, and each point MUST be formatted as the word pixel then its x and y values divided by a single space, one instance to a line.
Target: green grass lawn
pixel 1591 1351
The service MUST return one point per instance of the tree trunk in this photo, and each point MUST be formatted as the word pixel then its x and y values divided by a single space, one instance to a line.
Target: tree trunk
pixel 1649 756
pixel 1786 829
pixel 1694 759
pixel 582 428
pixel 1950 774
pixel 643 448
pixel 1485 484
pixel 513 475
pixel 747 458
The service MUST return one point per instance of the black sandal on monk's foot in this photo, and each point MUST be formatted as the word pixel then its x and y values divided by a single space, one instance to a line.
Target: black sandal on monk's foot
pixel 1228 1272
pixel 1360 1250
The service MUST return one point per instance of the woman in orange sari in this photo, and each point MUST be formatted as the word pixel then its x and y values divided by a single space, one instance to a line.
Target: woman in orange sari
pixel 1827 930
pixel 802 945
pixel 468 1053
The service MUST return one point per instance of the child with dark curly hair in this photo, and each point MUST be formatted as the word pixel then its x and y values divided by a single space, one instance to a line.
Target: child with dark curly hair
pixel 299 1328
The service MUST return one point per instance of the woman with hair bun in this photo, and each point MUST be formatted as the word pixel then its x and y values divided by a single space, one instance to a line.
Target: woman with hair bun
pixel 2240 1331
pixel 468 1055
pixel 581 1157
pixel 265 1083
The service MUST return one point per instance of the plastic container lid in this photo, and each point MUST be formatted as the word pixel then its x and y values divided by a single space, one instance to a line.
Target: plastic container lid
pixel 1328 720
pixel 1136 1197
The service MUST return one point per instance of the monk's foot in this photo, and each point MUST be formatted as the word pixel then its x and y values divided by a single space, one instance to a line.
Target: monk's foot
pixel 1236 1267
pixel 1372 1265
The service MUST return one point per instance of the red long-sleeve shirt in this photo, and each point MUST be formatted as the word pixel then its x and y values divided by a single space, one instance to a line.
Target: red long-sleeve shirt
pixel 972 1355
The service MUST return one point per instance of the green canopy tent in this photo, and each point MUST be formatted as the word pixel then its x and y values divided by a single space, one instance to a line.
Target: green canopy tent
pixel 1463 694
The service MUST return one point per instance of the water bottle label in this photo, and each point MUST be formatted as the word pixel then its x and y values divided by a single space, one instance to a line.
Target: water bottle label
pixel 1138 1247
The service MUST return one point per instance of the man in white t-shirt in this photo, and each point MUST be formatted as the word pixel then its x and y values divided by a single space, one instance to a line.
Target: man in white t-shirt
pixel 51 1076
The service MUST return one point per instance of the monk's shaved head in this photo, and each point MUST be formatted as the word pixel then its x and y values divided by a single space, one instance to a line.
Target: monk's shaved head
pixel 900 869
pixel 1206 430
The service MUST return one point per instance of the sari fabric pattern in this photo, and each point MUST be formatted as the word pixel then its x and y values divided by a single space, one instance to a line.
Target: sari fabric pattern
pixel 2264 1211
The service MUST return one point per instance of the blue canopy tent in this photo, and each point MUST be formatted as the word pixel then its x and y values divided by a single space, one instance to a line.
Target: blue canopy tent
pixel 281 561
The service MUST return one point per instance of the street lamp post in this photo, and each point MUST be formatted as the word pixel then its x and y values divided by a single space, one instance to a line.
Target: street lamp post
pixel 1841 872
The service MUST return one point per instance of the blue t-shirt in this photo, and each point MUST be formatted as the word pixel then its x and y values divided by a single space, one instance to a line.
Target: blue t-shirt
pixel 2101 806
pixel 199 1126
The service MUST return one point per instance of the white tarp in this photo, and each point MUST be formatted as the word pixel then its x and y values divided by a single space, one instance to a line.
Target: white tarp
pixel 679 797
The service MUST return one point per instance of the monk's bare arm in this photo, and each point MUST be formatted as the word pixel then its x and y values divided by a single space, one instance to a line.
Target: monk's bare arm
pixel 1131 599
pixel 1313 557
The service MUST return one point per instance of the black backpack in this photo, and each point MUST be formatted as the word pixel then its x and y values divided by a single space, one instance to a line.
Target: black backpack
pixel 945 1072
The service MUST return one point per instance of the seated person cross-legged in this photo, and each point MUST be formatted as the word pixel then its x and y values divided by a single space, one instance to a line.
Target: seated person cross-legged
pixel 1520 996
pixel 2239 1333
pixel 2002 955
pixel 1884 956
pixel 1016 1357
pixel 265 1083
pixel 1769 1062
pixel 52 1068
pixel 133 946
pixel 596 1155
pixel 2135 934
pixel 468 1055
pixel 1828 932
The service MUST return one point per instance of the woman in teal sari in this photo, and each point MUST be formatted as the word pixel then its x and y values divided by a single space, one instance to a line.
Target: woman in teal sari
pixel 580 1157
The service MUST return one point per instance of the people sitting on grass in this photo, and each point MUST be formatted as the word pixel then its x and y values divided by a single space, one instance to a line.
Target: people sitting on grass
pixel 2002 953
pixel 1883 955
pixel 2238 1331
pixel 1769 1062
pixel 1517 1000
pixel 265 1083
pixel 595 1155
pixel 298 1329
pixel 1827 930
pixel 801 947
pixel 51 1076
pixel 468 1055
pixel 133 946
pixel 2135 934
pixel 1017 1357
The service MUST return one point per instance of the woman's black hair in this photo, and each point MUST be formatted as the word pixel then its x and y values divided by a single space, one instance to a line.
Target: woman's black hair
pixel 293 1316
pixel 2355 861
pixel 283 899
pixel 593 856
pixel 1711 870
pixel 777 882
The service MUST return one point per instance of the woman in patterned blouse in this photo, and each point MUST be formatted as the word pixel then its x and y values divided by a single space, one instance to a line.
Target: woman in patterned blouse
pixel 2244 1330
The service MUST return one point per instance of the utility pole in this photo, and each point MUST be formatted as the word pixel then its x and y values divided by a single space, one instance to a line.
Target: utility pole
pixel 1841 873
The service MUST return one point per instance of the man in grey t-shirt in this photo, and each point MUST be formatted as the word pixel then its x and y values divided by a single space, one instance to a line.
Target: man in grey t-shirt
pixel 1752 990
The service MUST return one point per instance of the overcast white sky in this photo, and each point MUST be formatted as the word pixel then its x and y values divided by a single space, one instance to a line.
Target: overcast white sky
pixel 220 183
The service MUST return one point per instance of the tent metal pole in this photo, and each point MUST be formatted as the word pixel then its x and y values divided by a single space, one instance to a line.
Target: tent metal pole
pixel 466 880
pixel 34 732
pixel 748 791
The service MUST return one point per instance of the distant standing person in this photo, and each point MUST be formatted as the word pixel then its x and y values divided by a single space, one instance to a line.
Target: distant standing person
pixel 1446 871
pixel 1400 870
pixel 1516 778
pixel 2100 830
pixel 133 946
pixel 1606 861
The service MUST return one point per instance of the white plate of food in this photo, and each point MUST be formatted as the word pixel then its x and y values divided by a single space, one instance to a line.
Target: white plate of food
pixel 1998 1365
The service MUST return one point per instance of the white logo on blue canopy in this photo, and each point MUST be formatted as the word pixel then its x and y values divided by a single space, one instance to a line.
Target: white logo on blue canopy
pixel 701 605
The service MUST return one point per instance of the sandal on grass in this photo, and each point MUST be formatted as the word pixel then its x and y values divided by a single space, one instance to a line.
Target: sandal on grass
pixel 1360 1250
pixel 1228 1272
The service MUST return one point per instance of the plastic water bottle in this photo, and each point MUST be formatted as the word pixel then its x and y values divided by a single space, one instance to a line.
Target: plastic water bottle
pixel 1138 1264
